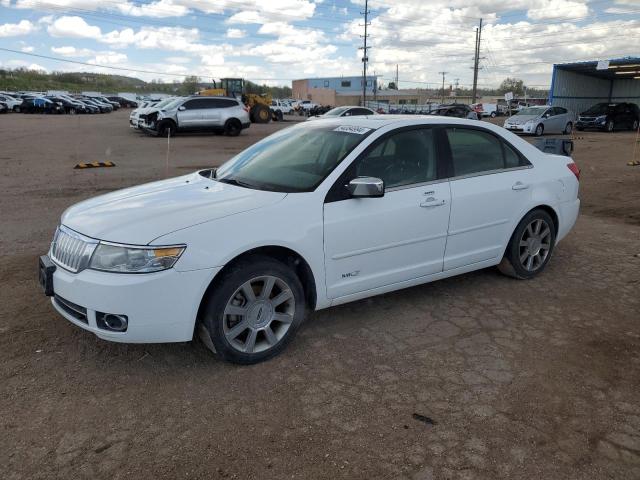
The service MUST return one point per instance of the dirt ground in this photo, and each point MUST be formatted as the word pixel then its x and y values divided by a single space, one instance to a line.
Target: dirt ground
pixel 475 377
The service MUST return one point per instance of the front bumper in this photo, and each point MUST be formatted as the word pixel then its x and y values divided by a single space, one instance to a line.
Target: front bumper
pixel 161 307
pixel 596 125
pixel 524 128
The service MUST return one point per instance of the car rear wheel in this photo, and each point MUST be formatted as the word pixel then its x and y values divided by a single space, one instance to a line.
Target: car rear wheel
pixel 254 310
pixel 232 127
pixel 530 247
pixel 568 129
pixel 610 126
pixel 539 130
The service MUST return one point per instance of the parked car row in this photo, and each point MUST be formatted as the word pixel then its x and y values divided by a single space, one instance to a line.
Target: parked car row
pixel 59 103
pixel 538 120
pixel 173 115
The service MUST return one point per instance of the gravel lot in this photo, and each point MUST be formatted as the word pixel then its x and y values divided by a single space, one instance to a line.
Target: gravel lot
pixel 509 379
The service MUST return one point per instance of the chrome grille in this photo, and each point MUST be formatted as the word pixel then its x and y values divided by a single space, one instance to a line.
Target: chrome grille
pixel 71 250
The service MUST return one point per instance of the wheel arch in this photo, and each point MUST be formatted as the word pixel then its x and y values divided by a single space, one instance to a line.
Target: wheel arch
pixel 289 257
pixel 541 206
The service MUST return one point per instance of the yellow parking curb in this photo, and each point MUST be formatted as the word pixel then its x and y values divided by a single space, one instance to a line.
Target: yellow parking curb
pixel 95 165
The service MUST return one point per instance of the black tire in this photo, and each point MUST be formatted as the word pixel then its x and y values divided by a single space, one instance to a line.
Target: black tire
pixel 226 289
pixel 568 129
pixel 232 127
pixel 539 130
pixel 580 129
pixel 513 264
pixel 610 126
pixel 166 128
pixel 260 113
pixel 279 115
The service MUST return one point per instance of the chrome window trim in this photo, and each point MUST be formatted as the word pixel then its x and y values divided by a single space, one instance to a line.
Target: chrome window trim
pixel 491 172
pixel 416 185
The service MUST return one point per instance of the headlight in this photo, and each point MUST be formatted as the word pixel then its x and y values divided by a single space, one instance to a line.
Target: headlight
pixel 114 258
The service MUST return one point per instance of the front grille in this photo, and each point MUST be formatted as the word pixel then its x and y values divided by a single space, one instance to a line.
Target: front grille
pixel 76 311
pixel 71 250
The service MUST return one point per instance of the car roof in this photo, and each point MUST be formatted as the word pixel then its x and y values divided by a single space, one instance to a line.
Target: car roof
pixel 378 121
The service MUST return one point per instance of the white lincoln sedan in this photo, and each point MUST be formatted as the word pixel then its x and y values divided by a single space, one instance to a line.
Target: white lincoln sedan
pixel 316 215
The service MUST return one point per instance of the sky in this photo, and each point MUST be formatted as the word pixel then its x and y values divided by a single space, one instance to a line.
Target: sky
pixel 276 41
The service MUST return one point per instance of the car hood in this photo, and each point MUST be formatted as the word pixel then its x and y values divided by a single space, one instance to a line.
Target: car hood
pixel 521 119
pixel 138 215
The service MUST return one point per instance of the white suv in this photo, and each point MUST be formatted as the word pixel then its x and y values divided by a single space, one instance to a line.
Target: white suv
pixel 315 215
pixel 197 113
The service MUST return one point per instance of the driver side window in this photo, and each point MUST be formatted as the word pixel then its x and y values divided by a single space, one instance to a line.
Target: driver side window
pixel 404 158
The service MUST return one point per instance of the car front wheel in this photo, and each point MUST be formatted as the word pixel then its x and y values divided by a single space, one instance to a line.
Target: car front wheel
pixel 254 310
pixel 530 247
pixel 539 130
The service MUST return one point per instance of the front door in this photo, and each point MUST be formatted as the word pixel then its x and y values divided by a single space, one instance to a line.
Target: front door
pixel 374 242
pixel 190 113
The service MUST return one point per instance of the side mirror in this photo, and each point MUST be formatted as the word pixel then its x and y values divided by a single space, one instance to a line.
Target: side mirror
pixel 366 187
pixel 182 108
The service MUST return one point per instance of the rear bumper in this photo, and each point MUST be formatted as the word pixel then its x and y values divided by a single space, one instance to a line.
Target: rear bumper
pixel 568 213
pixel 161 307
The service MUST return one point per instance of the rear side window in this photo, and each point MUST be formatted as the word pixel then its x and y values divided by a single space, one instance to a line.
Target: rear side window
pixel 476 151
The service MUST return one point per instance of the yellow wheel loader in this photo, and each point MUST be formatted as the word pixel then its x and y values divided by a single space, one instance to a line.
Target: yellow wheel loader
pixel 259 105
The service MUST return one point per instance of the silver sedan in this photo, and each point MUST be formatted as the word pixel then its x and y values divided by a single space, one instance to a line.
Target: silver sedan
pixel 541 120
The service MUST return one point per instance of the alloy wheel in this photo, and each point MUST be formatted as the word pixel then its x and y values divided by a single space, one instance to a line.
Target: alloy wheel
pixel 535 245
pixel 258 314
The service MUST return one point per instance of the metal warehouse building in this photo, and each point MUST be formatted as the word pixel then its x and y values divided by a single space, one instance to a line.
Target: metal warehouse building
pixel 577 86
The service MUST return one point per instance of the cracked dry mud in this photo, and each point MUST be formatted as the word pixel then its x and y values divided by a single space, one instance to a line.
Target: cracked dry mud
pixel 533 379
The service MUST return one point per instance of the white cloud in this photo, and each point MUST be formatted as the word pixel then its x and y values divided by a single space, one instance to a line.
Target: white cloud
pixel 73 27
pixel 23 27
pixel 27 49
pixel 72 52
pixel 109 58
pixel 159 9
pixel 236 33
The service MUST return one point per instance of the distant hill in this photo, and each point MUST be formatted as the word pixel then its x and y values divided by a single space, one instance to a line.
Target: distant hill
pixel 23 79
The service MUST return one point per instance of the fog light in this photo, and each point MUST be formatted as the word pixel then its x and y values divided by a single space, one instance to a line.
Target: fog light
pixel 112 322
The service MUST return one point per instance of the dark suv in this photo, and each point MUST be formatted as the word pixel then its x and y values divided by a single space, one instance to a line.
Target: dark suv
pixel 610 117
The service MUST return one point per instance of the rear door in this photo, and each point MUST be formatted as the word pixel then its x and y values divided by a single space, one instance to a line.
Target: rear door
pixel 490 186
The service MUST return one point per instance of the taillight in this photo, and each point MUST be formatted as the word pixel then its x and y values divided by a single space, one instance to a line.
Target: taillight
pixel 574 168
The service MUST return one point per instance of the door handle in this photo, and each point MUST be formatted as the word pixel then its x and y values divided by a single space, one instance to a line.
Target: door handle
pixel 432 202
pixel 520 186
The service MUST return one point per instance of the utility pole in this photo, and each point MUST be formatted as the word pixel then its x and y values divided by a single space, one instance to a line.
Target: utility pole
pixel 443 74
pixel 397 88
pixel 476 63
pixel 364 48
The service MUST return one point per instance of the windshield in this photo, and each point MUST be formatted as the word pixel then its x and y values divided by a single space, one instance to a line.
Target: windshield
pixel 296 159
pixel 600 109
pixel 336 111
pixel 532 111
pixel 168 103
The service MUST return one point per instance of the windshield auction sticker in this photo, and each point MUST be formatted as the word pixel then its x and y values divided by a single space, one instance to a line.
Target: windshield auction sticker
pixel 352 129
